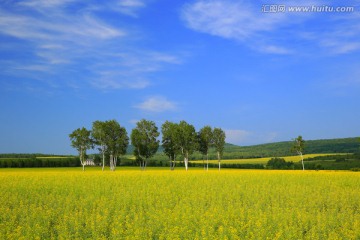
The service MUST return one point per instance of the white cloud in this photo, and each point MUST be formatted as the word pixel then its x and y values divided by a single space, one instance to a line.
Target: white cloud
pixel 129 7
pixel 275 33
pixel 275 49
pixel 234 20
pixel 65 37
pixel 157 104
pixel 40 68
pixel 52 30
pixel 241 21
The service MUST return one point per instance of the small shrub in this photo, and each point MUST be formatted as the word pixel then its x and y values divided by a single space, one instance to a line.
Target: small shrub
pixel 279 163
pixel 355 169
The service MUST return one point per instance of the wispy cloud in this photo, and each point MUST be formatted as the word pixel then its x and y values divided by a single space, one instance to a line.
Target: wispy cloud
pixel 274 33
pixel 157 104
pixel 129 7
pixel 72 37
pixel 237 20
pixel 44 3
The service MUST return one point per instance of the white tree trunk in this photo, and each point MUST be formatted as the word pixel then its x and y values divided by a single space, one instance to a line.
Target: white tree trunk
pixel 115 162
pixel 302 161
pixel 82 158
pixel 219 159
pixel 207 162
pixel 172 163
pixel 143 165
pixel 111 162
pixel 103 157
pixel 186 163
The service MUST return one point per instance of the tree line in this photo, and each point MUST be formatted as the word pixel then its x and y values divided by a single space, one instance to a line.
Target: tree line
pixel 178 139
pixel 36 162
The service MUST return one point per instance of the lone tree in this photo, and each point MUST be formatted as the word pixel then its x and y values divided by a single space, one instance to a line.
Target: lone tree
pixel 171 148
pixel 116 141
pixel 99 135
pixel 205 138
pixel 219 142
pixel 144 140
pixel 81 141
pixel 298 148
pixel 186 139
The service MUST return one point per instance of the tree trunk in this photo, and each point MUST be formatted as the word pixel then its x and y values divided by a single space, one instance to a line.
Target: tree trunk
pixel 186 163
pixel 143 165
pixel 115 162
pixel 111 162
pixel 207 162
pixel 173 163
pixel 82 159
pixel 219 159
pixel 302 160
pixel 103 157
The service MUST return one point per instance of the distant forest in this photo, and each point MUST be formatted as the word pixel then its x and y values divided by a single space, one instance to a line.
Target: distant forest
pixel 278 149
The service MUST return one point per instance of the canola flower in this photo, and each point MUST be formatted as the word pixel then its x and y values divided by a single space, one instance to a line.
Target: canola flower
pixel 163 204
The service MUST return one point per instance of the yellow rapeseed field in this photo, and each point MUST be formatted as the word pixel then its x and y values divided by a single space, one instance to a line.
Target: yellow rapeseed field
pixel 160 204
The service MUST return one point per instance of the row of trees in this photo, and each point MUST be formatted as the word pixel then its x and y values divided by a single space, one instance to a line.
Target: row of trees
pixel 182 139
pixel 110 138
pixel 178 139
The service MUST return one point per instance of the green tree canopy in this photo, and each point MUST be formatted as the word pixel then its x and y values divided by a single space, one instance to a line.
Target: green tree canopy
pixel 298 147
pixel 81 141
pixel 171 148
pixel 219 142
pixel 98 134
pixel 206 140
pixel 116 141
pixel 144 139
pixel 186 139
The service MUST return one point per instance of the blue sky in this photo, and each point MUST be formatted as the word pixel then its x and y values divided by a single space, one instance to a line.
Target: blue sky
pixel 260 76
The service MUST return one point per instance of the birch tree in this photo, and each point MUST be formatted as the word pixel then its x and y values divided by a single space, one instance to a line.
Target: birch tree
pixel 186 138
pixel 298 148
pixel 116 141
pixel 205 142
pixel 219 143
pixel 99 135
pixel 81 141
pixel 169 144
pixel 144 139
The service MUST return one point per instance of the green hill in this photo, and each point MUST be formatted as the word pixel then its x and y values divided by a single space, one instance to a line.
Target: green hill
pixel 338 145
pixel 278 149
